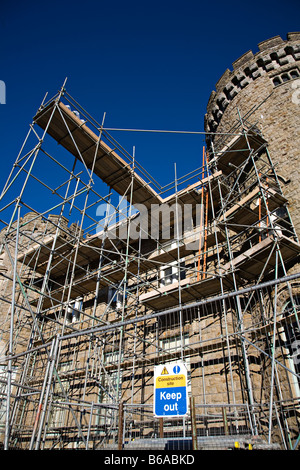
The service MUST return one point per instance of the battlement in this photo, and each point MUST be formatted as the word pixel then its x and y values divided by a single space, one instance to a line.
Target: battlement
pixel 273 54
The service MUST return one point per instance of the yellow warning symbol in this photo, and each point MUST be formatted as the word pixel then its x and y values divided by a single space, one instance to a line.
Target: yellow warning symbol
pixel 164 371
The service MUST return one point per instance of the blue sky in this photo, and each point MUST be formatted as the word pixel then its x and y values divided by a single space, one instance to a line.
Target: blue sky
pixel 149 65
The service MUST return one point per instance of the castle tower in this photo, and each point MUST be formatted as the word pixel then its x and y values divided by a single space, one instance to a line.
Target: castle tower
pixel 263 89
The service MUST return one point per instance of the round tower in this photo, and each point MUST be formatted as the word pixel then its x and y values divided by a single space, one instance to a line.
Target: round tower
pixel 263 89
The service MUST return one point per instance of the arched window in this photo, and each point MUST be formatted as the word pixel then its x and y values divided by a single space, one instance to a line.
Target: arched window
pixel 292 332
pixel 285 77
pixel 294 74
pixel 276 81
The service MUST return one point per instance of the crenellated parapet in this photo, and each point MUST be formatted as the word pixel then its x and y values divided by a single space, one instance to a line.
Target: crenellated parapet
pixel 274 55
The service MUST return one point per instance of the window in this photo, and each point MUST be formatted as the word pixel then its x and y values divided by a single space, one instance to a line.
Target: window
pixel 112 380
pixel 173 344
pixel 169 273
pixel 59 411
pixel 3 390
pixel 115 297
pixel 286 76
pixel 110 391
pixel 294 74
pixel 276 81
pixel 74 311
pixel 291 337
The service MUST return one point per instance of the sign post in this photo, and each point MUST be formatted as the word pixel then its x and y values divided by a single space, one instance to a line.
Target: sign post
pixel 170 390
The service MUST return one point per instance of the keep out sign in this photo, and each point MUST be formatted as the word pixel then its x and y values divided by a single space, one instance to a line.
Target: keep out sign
pixel 170 390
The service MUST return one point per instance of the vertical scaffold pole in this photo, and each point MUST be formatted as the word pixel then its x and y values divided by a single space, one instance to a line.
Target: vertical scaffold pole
pixel 193 423
pixel 9 368
pixel 121 422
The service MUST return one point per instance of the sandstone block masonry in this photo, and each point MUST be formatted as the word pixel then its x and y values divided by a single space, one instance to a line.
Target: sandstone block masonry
pixel 264 89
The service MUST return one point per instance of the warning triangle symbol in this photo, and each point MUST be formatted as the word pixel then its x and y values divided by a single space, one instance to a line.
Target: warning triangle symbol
pixel 164 371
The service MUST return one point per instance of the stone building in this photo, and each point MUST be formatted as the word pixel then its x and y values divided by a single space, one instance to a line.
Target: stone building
pixel 90 307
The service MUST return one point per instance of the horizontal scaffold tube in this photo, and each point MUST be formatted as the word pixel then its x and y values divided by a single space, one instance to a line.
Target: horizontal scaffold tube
pixel 228 295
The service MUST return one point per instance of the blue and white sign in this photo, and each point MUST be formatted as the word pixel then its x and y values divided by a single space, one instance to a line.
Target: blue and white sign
pixel 170 390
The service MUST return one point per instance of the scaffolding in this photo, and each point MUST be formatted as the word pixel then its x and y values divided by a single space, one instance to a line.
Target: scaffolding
pixel 95 292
